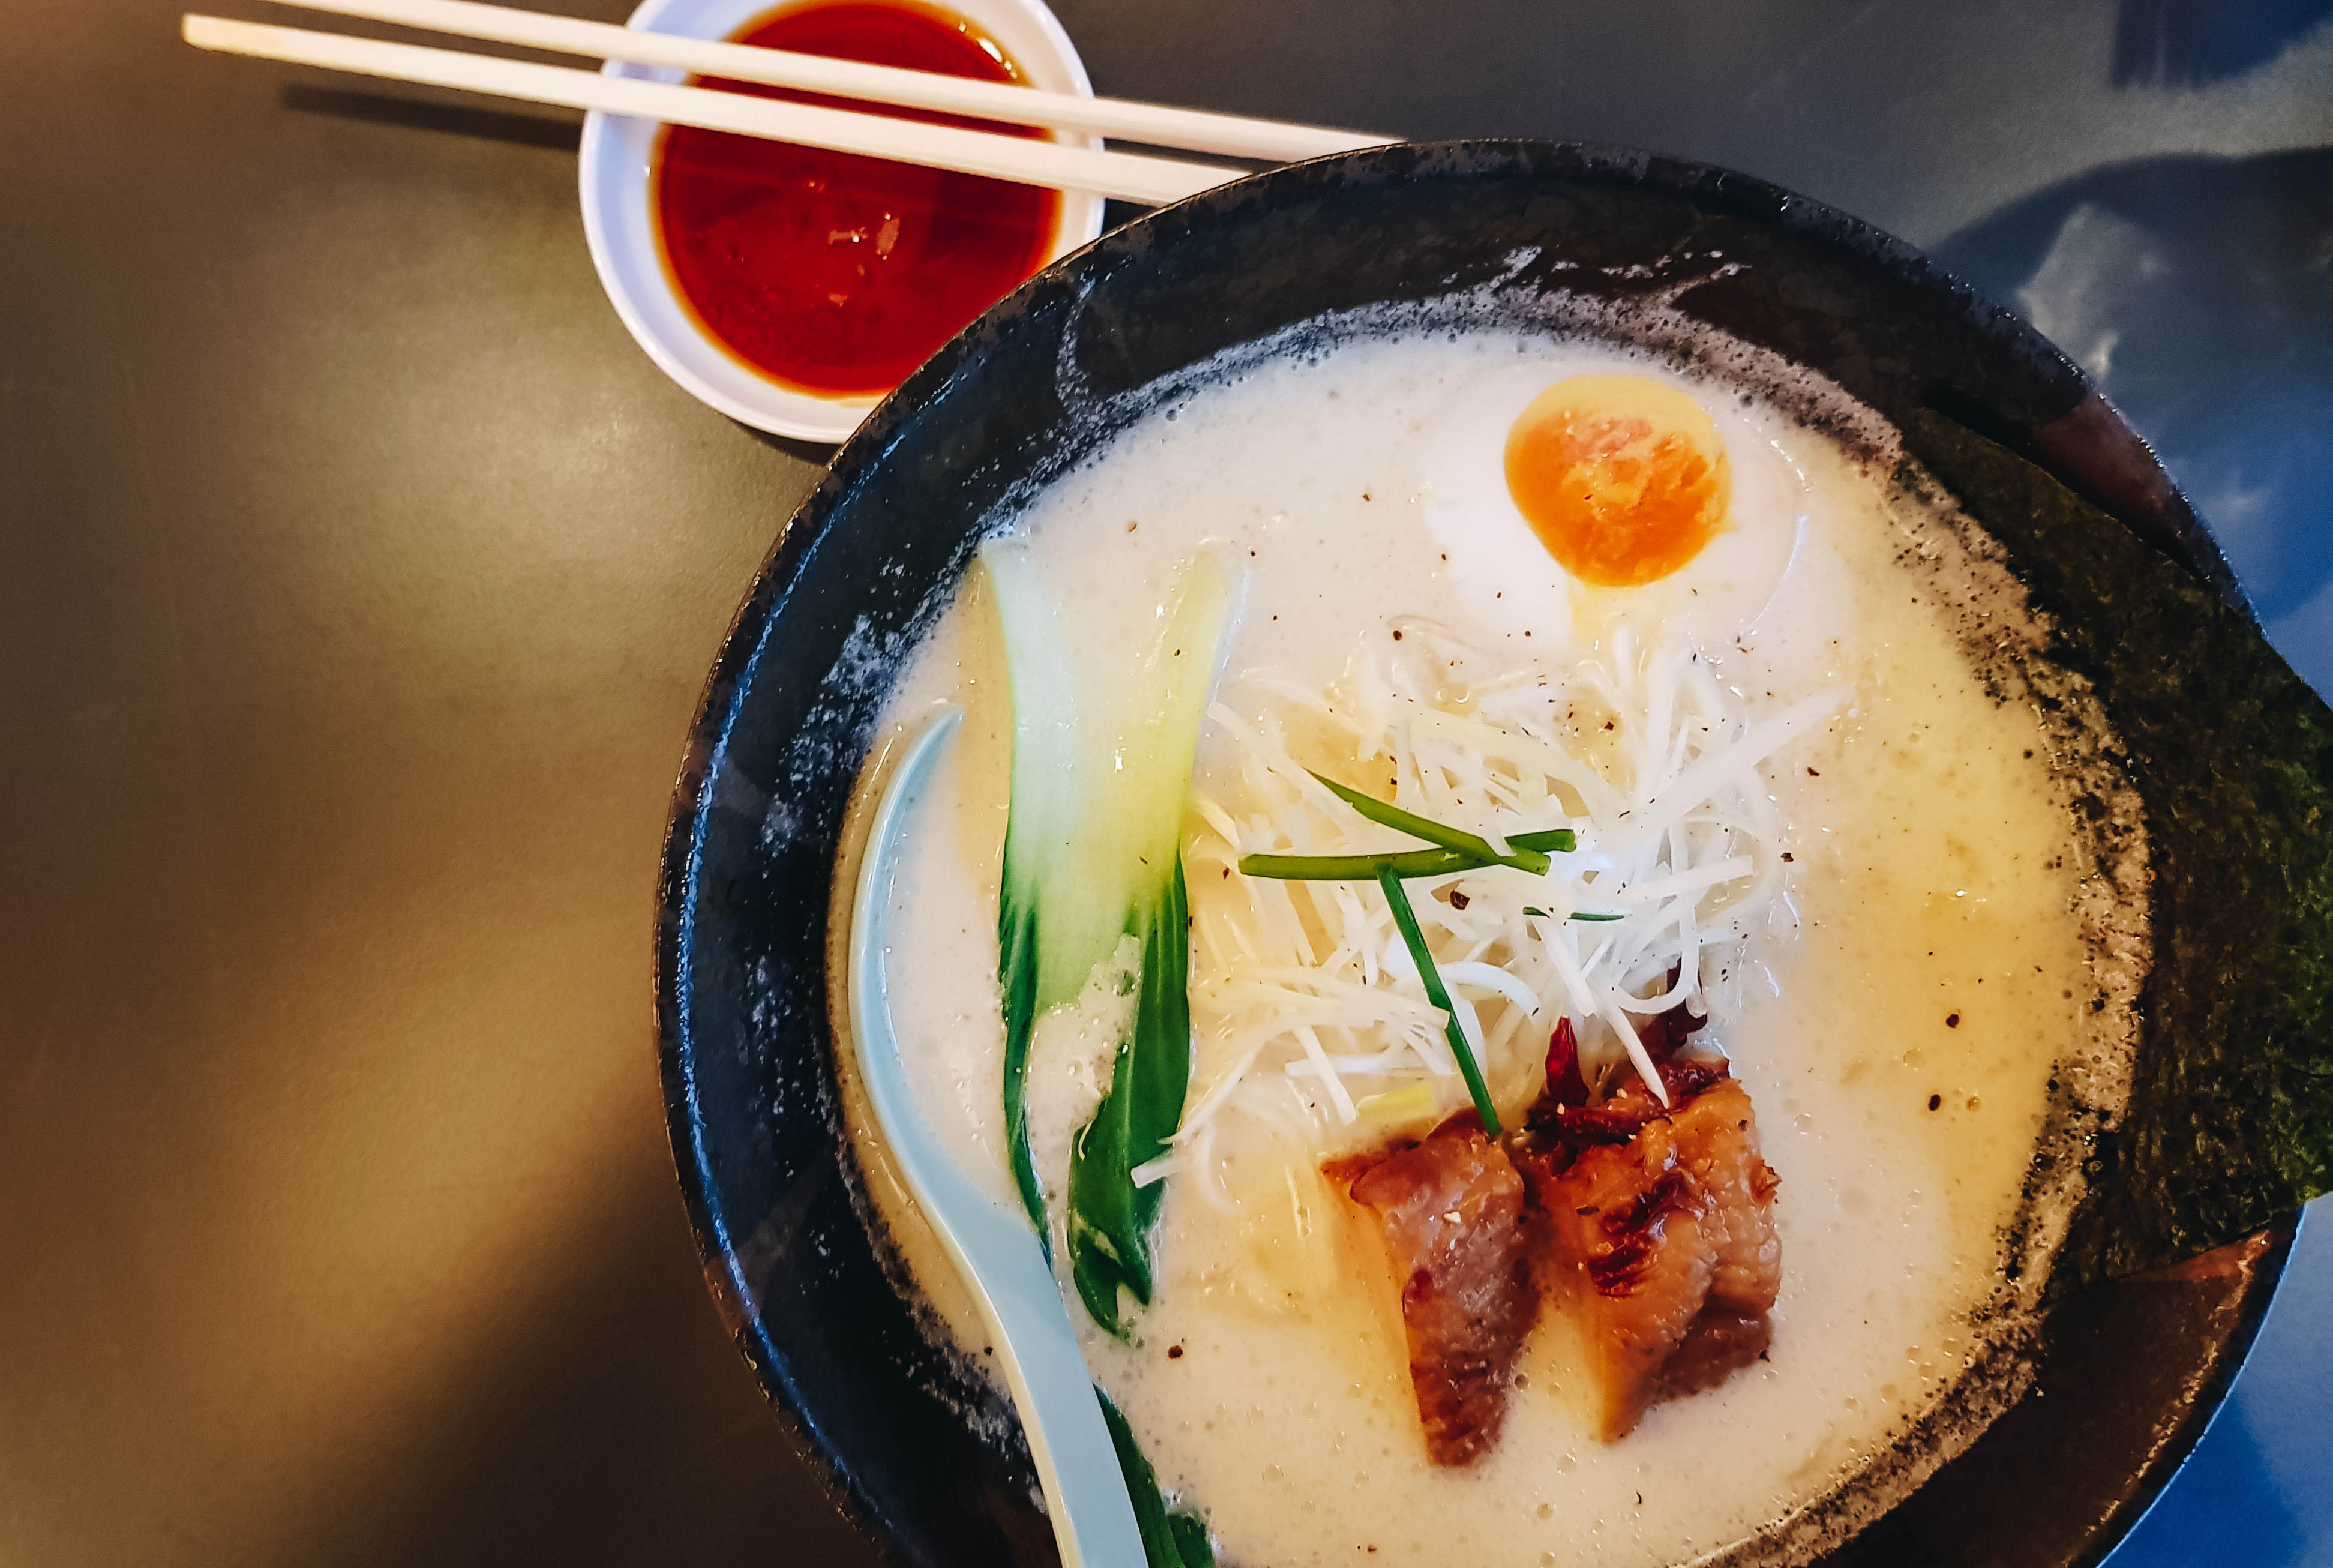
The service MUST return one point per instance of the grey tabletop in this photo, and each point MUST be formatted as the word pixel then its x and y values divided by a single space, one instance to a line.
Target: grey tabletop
pixel 358 578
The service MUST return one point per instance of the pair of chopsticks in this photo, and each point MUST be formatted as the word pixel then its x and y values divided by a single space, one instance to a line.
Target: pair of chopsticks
pixel 1132 177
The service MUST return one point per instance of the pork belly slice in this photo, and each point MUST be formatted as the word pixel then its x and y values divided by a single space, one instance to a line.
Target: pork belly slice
pixel 1451 1211
pixel 1717 1143
pixel 1719 1344
pixel 1626 1257
pixel 1659 1228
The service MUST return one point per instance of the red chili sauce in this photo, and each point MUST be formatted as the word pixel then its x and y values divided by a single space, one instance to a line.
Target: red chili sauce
pixel 834 273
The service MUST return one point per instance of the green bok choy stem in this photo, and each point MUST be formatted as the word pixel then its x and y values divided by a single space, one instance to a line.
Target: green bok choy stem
pixel 1141 802
pixel 1101 774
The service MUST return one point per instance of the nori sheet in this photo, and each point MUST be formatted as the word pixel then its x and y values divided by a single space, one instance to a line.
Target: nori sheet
pixel 2230 1122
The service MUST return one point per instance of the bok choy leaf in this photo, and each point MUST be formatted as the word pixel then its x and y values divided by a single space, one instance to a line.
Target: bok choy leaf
pixel 1111 1218
pixel 1101 772
pixel 1142 799
pixel 1045 946
pixel 1172 1538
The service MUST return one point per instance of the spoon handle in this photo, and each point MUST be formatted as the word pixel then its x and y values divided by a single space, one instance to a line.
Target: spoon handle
pixel 992 1245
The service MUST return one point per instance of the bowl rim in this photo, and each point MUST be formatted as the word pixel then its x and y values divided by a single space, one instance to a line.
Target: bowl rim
pixel 2179 532
pixel 620 225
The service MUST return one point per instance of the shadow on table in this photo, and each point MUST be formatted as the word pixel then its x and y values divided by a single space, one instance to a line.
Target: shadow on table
pixel 2198 290
pixel 817 454
pixel 600 1415
pixel 549 129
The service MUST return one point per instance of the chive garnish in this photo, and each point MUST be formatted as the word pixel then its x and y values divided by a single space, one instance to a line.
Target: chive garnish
pixel 1405 920
pixel 1440 862
pixel 1575 915
pixel 1436 862
pixel 1356 867
pixel 1523 858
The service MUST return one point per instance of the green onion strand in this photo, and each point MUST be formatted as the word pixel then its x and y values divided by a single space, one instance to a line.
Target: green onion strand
pixel 1404 917
pixel 1434 862
pixel 1357 867
pixel 1521 857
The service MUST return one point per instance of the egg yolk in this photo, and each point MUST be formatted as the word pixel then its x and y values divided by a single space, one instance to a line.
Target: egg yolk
pixel 1623 479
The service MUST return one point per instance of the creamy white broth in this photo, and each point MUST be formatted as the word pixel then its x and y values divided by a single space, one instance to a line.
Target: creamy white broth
pixel 1940 952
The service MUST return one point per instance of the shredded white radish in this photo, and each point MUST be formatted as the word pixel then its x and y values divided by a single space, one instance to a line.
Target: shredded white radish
pixel 1303 994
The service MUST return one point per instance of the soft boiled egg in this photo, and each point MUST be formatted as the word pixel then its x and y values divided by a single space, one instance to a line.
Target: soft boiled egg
pixel 1571 494
pixel 1622 479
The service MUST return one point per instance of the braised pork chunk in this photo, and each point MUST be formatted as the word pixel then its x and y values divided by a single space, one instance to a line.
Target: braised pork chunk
pixel 1451 1211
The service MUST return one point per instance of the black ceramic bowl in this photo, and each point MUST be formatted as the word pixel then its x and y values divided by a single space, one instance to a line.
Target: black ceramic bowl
pixel 2130 1371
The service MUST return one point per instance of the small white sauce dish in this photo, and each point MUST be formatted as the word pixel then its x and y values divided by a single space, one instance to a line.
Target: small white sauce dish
pixel 617 171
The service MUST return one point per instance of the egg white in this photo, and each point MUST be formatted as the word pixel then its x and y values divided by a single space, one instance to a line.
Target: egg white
pixel 1506 581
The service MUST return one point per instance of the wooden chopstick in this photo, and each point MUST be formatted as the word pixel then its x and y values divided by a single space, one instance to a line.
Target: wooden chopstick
pixel 1154 125
pixel 1133 177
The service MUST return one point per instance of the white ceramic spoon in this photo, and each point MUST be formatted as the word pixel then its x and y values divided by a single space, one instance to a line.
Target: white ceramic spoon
pixel 990 1245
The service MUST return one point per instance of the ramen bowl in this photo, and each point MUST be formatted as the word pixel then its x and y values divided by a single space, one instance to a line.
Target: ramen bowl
pixel 919 1449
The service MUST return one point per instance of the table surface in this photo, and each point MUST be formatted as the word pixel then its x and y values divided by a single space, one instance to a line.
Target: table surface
pixel 360 576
